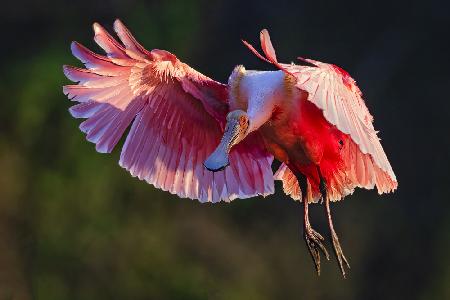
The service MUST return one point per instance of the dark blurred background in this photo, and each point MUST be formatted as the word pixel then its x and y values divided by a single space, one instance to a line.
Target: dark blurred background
pixel 74 225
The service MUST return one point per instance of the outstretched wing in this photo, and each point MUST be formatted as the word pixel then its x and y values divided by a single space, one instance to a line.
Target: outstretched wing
pixel 333 90
pixel 177 116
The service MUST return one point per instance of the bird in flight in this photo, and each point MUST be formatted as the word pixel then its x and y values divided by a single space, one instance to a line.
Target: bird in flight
pixel 201 139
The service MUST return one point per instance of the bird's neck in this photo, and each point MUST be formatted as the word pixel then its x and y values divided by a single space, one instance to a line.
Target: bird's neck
pixel 257 93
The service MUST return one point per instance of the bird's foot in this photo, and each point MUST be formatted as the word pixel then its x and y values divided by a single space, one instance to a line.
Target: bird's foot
pixel 339 253
pixel 314 242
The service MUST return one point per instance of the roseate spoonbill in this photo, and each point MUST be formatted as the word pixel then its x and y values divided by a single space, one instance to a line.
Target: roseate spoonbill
pixel 187 128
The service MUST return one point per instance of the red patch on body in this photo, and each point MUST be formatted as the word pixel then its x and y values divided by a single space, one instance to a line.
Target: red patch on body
pixel 322 143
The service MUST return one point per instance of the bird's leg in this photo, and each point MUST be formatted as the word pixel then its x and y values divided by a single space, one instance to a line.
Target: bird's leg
pixel 312 238
pixel 334 238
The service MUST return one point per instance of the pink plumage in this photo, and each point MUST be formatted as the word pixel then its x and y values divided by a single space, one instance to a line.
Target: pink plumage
pixel 176 115
pixel 201 139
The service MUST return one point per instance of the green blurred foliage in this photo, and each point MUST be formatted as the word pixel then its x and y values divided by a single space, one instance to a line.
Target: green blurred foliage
pixel 74 225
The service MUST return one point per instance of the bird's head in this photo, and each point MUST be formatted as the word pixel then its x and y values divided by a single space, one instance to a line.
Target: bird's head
pixel 236 130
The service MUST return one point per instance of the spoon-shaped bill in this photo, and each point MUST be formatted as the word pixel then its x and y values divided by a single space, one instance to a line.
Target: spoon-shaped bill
pixel 235 131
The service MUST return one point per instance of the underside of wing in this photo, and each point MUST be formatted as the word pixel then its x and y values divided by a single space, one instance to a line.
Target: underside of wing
pixel 176 116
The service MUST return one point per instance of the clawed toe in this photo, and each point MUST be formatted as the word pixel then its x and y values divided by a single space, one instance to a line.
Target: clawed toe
pixel 314 242
pixel 339 253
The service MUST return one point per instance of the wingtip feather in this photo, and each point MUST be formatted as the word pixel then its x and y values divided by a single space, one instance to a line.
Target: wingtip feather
pixel 65 91
pixel 73 45
pixel 96 27
pixel 254 51
pixel 76 49
pixel 118 26
pixel 266 45
pixel 66 71
pixel 117 22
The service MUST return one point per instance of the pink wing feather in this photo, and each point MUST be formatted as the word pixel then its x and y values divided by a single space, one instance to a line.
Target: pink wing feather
pixel 333 90
pixel 336 93
pixel 268 50
pixel 177 116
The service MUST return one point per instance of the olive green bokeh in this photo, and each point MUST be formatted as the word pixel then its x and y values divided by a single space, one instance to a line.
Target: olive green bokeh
pixel 74 225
